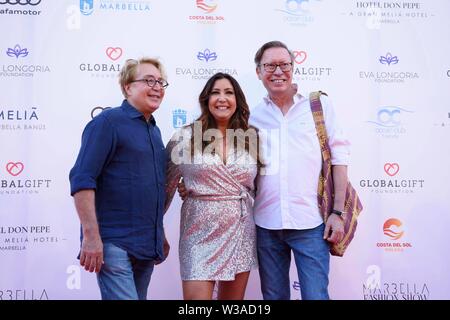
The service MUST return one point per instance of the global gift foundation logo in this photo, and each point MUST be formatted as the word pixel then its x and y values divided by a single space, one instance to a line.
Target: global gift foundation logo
pixel 389 122
pixel 20 7
pixel 20 119
pixel 15 180
pixel 374 288
pixel 374 14
pixel 108 67
pixel 97 110
pixel 206 12
pixel 392 181
pixel 304 70
pixel 391 73
pixel 393 231
pixel 298 13
pixel 20 66
pixel 205 66
pixel 88 7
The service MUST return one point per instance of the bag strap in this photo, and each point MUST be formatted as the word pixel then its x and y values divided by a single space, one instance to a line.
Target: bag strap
pixel 321 130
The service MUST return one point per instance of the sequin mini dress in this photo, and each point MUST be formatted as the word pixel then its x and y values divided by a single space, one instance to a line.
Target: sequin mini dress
pixel 217 230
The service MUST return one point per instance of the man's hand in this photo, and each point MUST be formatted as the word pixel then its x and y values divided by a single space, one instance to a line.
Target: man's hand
pixel 91 255
pixel 183 193
pixel 335 224
pixel 166 250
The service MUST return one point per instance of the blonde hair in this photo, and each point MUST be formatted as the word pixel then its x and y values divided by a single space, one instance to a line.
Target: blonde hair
pixel 128 71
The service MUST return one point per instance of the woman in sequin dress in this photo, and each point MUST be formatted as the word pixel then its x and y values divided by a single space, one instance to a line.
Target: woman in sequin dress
pixel 217 230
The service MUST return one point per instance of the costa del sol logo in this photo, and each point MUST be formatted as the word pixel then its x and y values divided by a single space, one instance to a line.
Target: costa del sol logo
pixel 391 73
pixel 299 13
pixel 20 119
pixel 15 180
pixel 106 67
pixel 393 230
pixel 374 14
pixel 21 65
pixel 390 122
pixel 20 7
pixel 392 182
pixel 306 71
pixel 206 65
pixel 88 7
pixel 206 12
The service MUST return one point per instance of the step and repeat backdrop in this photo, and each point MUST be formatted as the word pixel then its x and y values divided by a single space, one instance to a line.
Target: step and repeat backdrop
pixel 384 64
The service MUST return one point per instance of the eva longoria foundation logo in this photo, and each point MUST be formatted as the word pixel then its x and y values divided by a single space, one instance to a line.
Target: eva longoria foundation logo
pixel 207 65
pixel 20 66
pixel 389 72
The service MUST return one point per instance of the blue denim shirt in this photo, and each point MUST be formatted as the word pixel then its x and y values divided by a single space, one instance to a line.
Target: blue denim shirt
pixel 122 157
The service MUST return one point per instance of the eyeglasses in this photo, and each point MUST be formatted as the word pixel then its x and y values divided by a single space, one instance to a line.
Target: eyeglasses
pixel 271 67
pixel 151 82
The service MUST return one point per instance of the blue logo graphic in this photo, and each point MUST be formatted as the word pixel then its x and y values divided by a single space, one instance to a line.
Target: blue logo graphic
pixel 86 7
pixel 206 55
pixel 179 118
pixel 296 7
pixel 296 285
pixel 388 59
pixel 17 51
pixel 389 117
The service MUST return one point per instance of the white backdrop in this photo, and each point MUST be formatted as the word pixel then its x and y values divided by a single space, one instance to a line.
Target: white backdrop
pixel 384 64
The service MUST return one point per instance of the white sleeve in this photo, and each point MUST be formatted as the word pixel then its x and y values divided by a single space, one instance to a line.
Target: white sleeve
pixel 339 144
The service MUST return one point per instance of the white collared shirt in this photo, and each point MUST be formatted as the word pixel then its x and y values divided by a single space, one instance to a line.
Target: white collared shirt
pixel 287 188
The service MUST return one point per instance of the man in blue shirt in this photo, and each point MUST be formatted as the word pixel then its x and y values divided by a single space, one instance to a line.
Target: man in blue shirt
pixel 118 185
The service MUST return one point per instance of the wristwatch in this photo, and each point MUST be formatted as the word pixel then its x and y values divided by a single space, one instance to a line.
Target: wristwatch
pixel 337 212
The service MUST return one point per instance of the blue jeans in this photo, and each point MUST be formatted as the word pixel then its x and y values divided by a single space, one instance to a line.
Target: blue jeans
pixel 123 277
pixel 312 258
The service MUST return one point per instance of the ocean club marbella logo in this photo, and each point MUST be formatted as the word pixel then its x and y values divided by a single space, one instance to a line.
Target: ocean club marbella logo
pixel 16 68
pixel 389 122
pixel 19 7
pixel 206 12
pixel 390 73
pixel 298 12
pixel 392 182
pixel 88 7
pixel 305 71
pixel 206 66
pixel 108 68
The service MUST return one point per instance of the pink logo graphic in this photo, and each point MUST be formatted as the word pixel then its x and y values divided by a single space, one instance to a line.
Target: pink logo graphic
pixel 299 56
pixel 206 7
pixel 114 53
pixel 14 168
pixel 391 228
pixel 391 168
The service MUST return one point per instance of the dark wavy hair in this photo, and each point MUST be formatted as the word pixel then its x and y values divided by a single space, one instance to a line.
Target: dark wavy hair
pixel 239 120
